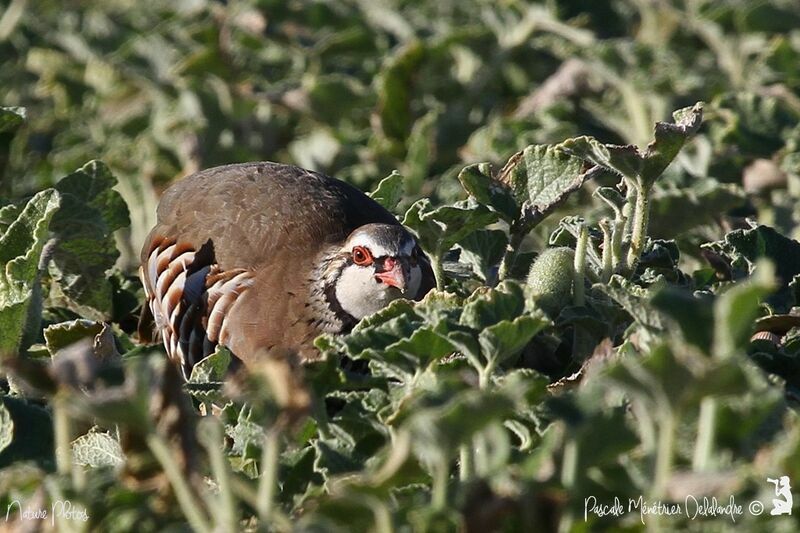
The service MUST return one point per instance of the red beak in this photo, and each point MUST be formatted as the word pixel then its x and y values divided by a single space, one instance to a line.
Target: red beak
pixel 392 274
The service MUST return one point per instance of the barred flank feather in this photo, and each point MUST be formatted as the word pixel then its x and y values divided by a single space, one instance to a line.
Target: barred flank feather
pixel 189 296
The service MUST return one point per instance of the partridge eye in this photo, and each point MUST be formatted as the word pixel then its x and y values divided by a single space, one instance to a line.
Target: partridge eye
pixel 361 256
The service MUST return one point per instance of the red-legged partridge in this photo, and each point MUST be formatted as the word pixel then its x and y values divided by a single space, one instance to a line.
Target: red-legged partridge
pixel 262 256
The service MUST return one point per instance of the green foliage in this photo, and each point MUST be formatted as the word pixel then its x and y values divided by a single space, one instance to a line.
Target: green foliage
pixel 652 350
pixel 20 251
pixel 91 211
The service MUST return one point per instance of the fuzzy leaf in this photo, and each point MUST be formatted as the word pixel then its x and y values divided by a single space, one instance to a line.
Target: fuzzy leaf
pixel 634 300
pixel 441 228
pixel 389 191
pixel 694 316
pixel 642 166
pixel 676 211
pixel 506 339
pixel 541 177
pixel 64 334
pixel 20 251
pixel 97 449
pixel 489 306
pixel 622 159
pixel 212 368
pixel 394 89
pixel 438 431
pixel 489 191
pixel 737 308
pixel 91 211
pixel 669 139
pixel 483 250
pixel 11 118
pixel 30 430
pixel 742 248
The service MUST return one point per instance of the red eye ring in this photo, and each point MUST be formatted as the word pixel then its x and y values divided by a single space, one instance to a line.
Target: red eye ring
pixel 362 256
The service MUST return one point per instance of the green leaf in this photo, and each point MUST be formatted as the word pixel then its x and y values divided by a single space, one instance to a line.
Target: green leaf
pixel 11 118
pixel 483 250
pixel 96 449
pixel 506 339
pixel 64 334
pixel 30 430
pixel 8 214
pixel 612 197
pixel 247 435
pixel 676 211
pixel 334 97
pixel 541 177
pixel 421 153
pixel 418 350
pixel 744 247
pixel 489 191
pixel 212 368
pixel 389 191
pixel 737 308
pixel 380 335
pixel 20 252
pixel 441 228
pixel 334 457
pixel 694 315
pixel 487 306
pixel 658 378
pixel 643 167
pixel 625 160
pixel 91 211
pixel 669 139
pixel 394 88
pixel 438 431
pixel 635 300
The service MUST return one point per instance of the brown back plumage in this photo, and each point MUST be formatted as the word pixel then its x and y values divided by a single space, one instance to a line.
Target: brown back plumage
pixel 232 254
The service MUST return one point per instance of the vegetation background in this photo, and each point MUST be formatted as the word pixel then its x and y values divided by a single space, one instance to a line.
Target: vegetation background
pixel 646 385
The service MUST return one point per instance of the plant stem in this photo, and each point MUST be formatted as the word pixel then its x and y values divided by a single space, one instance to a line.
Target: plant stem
pixel 485 374
pixel 268 474
pixel 441 474
pixel 617 234
pixel 465 466
pixel 569 463
pixel 608 263
pixel 705 434
pixel 641 216
pixel 221 470
pixel 438 271
pixel 10 19
pixel 510 257
pixel 186 499
pixel 579 269
pixel 481 458
pixel 62 429
pixel 630 200
pixel 663 467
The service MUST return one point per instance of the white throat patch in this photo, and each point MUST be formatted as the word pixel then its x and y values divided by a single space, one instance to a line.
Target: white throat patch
pixel 360 294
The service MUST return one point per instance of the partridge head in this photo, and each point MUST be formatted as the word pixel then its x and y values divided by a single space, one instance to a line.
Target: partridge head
pixel 263 256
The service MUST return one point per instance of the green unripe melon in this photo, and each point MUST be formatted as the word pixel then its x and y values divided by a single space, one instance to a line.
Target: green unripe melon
pixel 550 279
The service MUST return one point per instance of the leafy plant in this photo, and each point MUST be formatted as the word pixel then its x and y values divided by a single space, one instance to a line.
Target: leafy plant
pixel 612 318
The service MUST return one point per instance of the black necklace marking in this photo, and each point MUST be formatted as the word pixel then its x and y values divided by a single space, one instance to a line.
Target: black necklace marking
pixel 348 320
